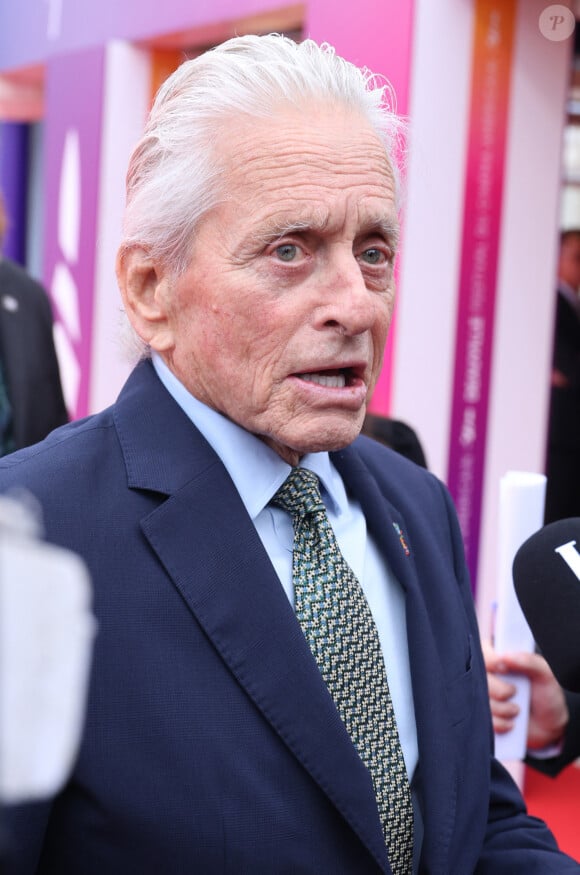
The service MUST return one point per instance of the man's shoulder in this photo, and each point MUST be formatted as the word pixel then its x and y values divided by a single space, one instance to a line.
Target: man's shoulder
pixel 128 441
pixel 399 478
pixel 387 461
pixel 63 450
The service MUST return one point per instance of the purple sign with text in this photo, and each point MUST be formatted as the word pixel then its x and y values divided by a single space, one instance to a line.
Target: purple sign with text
pixel 490 84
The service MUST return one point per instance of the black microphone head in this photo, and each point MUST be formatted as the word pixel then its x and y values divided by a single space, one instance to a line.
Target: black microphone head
pixel 546 572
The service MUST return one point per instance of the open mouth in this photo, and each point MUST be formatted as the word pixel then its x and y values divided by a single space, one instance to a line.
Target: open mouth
pixel 336 378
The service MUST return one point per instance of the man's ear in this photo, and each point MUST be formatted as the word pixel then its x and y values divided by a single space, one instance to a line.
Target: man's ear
pixel 144 286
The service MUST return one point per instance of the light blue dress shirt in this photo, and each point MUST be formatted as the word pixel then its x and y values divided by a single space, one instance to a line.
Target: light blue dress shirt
pixel 257 472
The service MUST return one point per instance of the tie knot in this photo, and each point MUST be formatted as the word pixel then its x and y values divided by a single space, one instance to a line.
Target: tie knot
pixel 300 493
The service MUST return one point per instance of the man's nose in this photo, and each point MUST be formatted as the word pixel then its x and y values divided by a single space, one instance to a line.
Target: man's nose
pixel 350 307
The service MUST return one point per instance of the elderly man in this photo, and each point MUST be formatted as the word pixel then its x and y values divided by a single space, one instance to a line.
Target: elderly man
pixel 287 676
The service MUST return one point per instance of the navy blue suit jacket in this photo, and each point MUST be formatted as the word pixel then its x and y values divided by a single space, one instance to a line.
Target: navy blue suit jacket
pixel 211 743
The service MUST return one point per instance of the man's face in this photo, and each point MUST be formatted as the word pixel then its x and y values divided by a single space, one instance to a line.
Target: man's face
pixel 281 318
pixel 569 263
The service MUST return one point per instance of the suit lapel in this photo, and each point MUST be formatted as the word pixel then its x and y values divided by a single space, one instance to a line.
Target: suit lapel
pixel 209 547
pixel 437 764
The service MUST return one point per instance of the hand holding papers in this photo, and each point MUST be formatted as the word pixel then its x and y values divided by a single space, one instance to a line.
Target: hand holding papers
pixel 520 515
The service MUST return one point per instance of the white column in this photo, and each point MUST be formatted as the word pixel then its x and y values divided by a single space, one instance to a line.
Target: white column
pixel 125 107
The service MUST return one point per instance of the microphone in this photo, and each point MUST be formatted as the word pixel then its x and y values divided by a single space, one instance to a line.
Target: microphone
pixel 546 573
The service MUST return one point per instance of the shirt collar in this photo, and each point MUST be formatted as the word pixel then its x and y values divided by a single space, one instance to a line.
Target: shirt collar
pixel 256 470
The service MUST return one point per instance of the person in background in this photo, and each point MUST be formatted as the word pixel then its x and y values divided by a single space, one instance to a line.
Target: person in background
pixel 287 676
pixel 563 450
pixel 395 434
pixel 31 397
pixel 554 724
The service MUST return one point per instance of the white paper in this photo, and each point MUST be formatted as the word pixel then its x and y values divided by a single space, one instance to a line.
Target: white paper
pixel 46 634
pixel 521 513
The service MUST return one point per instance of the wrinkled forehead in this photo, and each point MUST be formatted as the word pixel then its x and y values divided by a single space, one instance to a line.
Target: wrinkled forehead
pixel 306 155
pixel 312 128
pixel 322 171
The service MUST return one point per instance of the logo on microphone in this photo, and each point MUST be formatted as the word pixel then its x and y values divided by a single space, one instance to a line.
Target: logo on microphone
pixel 570 556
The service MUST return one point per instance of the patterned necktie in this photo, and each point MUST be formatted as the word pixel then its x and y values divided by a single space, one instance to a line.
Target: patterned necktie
pixel 339 627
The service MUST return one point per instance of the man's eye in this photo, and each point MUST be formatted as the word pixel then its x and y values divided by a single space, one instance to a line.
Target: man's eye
pixel 373 256
pixel 286 252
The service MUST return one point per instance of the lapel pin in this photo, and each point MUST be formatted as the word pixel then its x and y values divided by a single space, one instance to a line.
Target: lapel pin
pixel 399 532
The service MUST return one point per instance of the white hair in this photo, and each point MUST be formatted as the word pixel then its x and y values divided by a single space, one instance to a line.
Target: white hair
pixel 174 175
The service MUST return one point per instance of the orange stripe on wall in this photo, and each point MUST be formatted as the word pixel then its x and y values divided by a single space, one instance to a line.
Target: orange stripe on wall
pixel 163 63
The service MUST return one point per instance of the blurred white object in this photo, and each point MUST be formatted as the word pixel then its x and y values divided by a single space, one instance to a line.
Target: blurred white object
pixel 46 635
pixel 521 513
